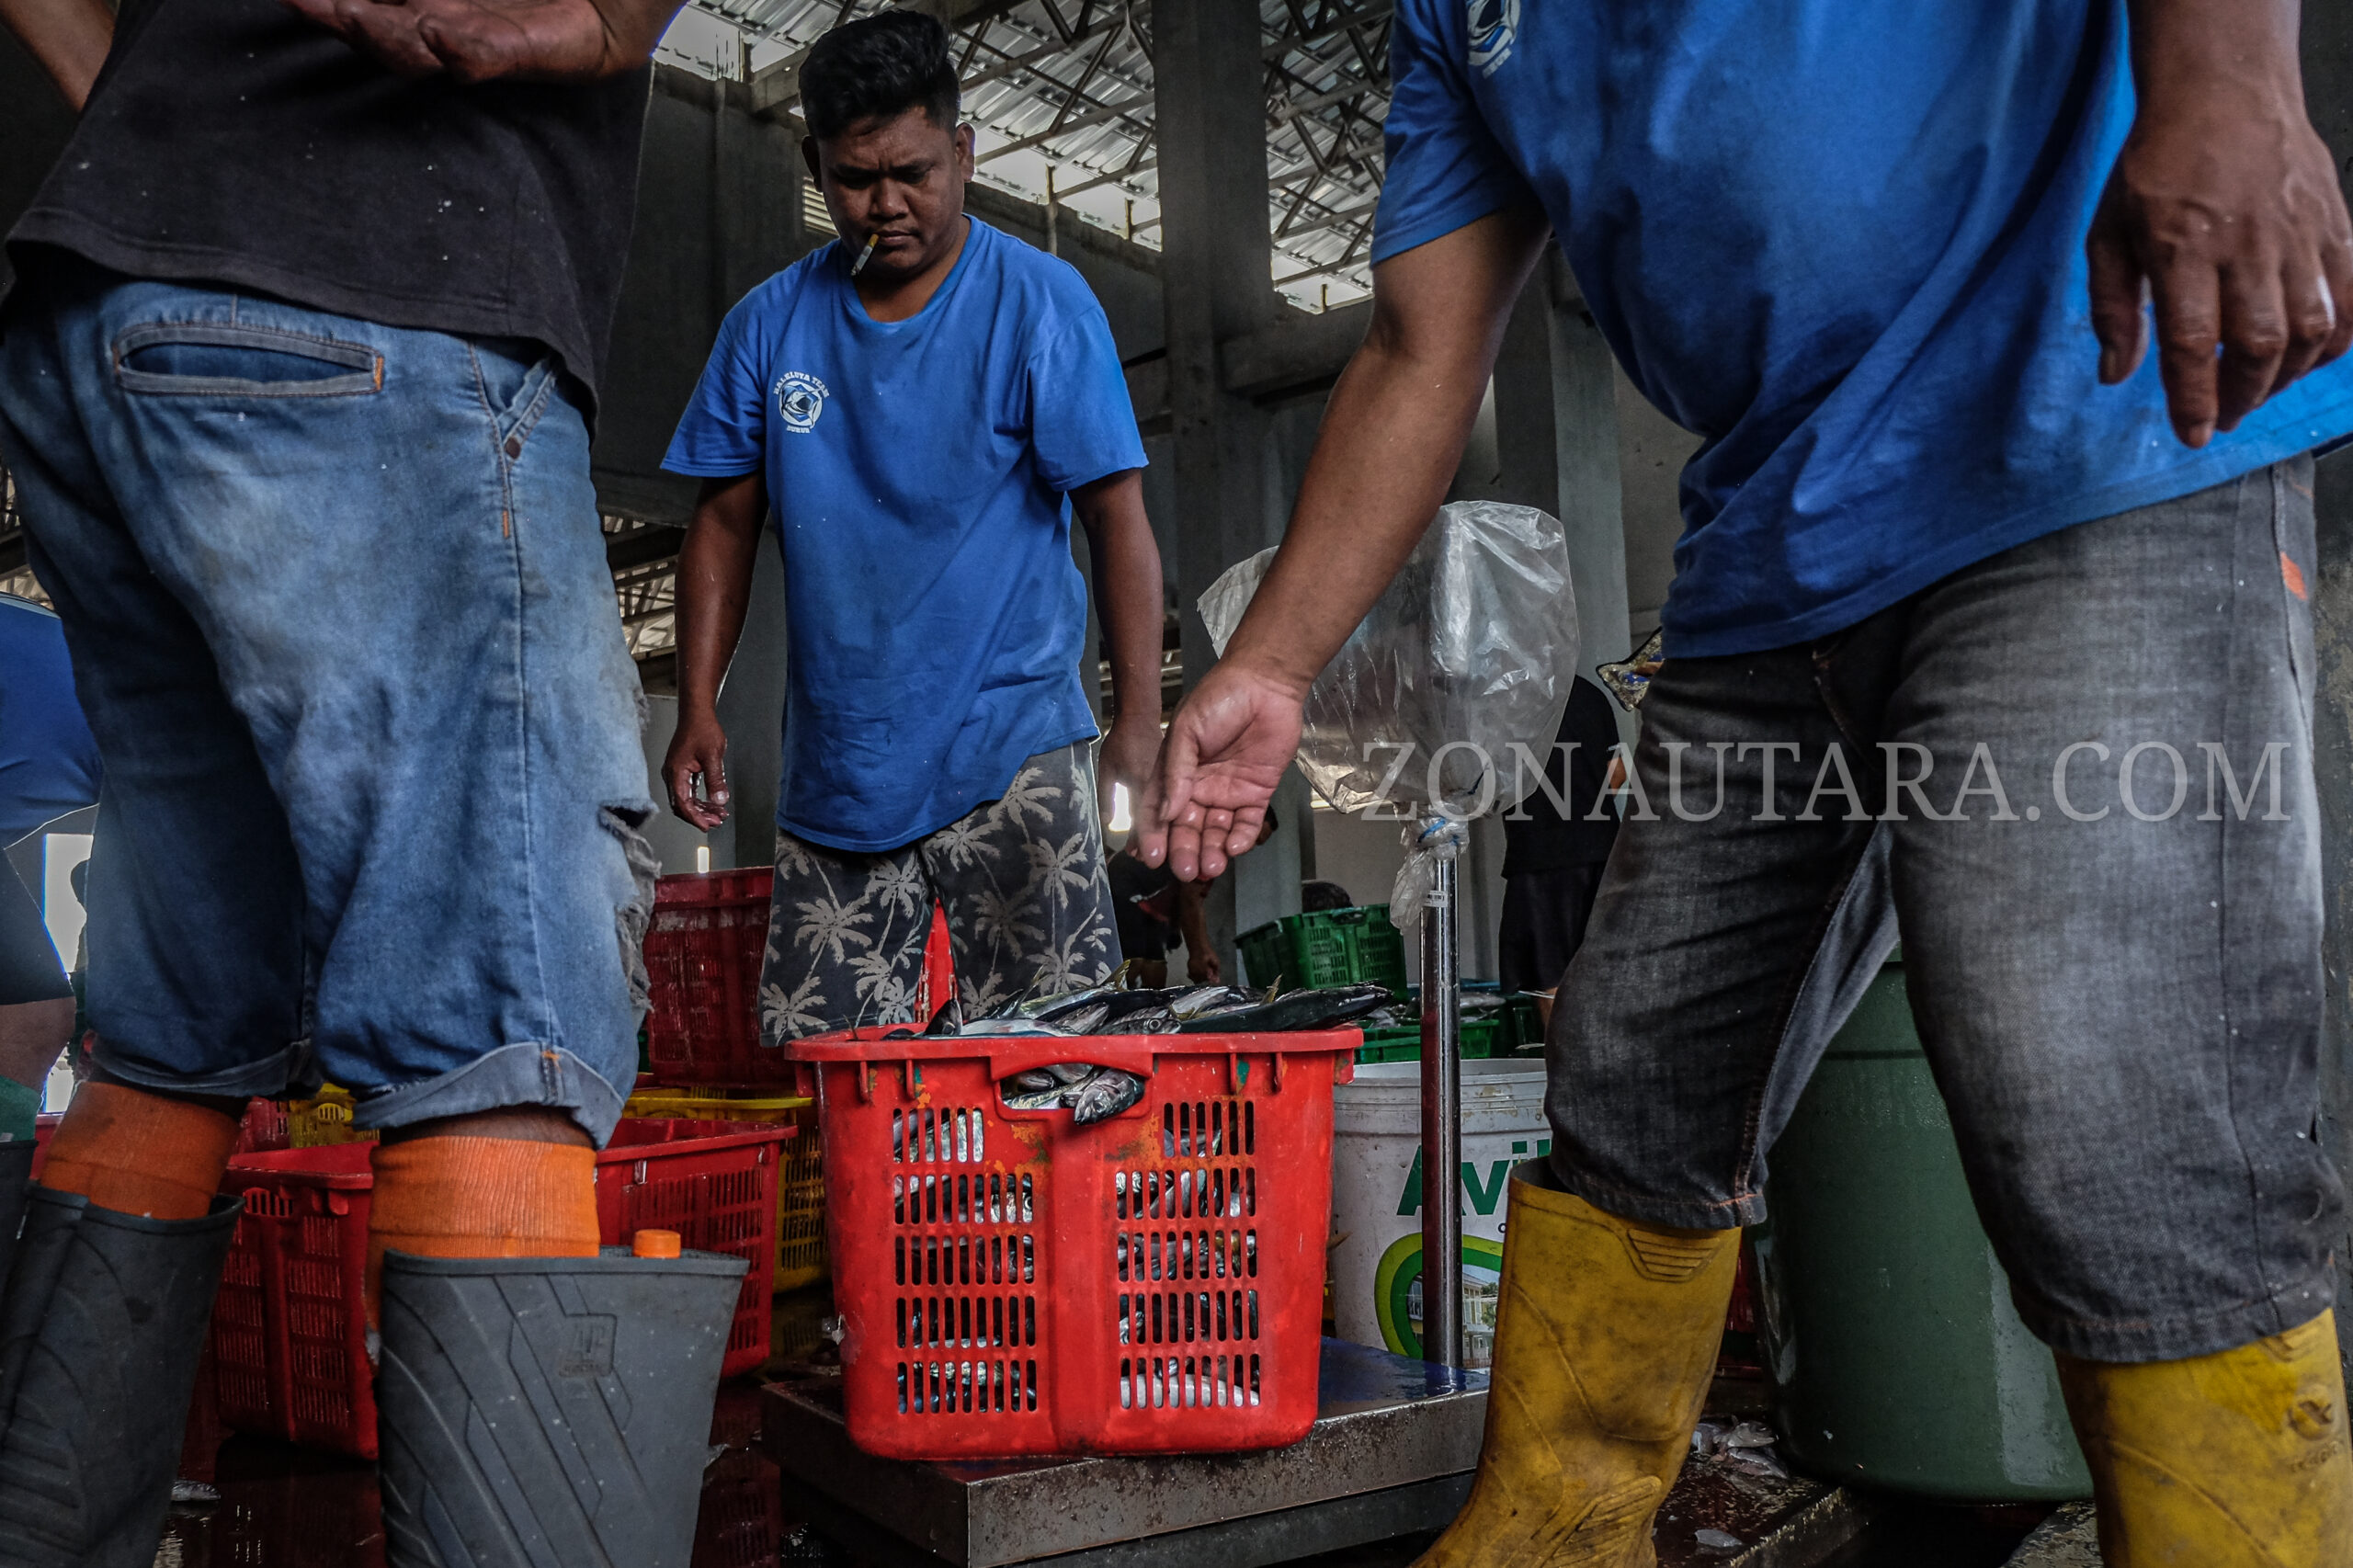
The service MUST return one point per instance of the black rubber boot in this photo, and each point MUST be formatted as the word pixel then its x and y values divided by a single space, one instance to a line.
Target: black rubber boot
pixel 549 1410
pixel 101 1326
pixel 16 1186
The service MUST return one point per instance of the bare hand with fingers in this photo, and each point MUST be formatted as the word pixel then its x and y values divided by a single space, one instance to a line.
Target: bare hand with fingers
pixel 1226 750
pixel 697 755
pixel 2223 211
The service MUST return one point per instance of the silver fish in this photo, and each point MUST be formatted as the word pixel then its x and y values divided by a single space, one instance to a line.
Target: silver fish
pixel 1070 1072
pixel 1144 1020
pixel 1034 1082
pixel 1761 1463
pixel 1010 1028
pixel 1037 1099
pixel 1103 1095
pixel 1201 1000
pixel 1048 1006
pixel 1081 1020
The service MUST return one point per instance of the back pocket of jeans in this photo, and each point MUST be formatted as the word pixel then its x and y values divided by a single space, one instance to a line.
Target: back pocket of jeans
pixel 232 359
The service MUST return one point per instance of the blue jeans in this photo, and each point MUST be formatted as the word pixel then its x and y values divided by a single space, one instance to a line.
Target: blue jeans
pixel 2107 878
pixel 340 619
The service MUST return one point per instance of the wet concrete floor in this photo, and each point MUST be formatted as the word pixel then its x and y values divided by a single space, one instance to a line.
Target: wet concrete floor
pixel 282 1507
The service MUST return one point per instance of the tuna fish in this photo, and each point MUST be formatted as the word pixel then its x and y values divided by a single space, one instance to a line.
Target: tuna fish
pixel 1103 1095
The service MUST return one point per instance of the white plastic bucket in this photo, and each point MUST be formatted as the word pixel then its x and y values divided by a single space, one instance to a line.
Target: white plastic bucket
pixel 1376 1195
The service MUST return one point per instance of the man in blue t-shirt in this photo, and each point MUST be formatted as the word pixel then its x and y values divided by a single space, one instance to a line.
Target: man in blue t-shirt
pixel 48 766
pixel 925 405
pixel 2050 590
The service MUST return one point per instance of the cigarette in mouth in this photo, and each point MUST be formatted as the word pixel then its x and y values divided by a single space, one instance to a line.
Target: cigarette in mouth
pixel 864 257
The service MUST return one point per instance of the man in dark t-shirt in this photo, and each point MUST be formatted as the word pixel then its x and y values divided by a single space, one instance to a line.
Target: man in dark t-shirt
pixel 1555 843
pixel 296 382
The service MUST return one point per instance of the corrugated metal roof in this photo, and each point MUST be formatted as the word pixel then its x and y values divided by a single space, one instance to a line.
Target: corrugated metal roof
pixel 1062 90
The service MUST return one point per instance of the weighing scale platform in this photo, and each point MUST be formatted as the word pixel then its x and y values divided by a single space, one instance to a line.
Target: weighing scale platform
pixel 1391 1454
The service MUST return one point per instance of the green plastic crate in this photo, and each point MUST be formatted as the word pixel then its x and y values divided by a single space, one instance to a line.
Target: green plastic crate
pixel 1329 947
pixel 1482 1038
pixel 1522 1024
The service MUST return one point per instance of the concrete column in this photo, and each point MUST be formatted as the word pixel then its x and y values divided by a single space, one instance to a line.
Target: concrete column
pixel 756 176
pixel 2328 90
pixel 1217 282
pixel 1556 447
pixel 1555 433
pixel 751 709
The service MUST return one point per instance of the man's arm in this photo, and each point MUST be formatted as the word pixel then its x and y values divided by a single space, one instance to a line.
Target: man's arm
pixel 2226 204
pixel 474 40
pixel 1201 964
pixel 1392 435
pixel 714 586
pixel 1127 600
pixel 70 38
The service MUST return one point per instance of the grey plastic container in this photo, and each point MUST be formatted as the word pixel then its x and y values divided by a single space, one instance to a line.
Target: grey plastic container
pixel 549 1411
pixel 101 1326
pixel 15 1187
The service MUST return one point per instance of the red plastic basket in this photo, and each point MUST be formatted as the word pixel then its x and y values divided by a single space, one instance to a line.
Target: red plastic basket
pixel 290 1351
pixel 704 950
pixel 1011 1284
pixel 712 1182
pixel 288 1334
pixel 702 966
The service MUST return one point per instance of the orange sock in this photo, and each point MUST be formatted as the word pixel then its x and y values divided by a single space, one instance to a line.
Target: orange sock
pixel 139 1153
pixel 481 1197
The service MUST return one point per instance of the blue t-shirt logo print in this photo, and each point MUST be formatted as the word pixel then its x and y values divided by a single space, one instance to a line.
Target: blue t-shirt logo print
pixel 1494 27
pixel 800 398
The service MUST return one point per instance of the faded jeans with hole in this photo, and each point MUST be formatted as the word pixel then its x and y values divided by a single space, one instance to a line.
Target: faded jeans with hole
pixel 340 619
pixel 2102 851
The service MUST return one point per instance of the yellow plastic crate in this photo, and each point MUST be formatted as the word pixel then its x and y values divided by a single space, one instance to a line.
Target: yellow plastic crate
pixel 800 1258
pixel 314 1123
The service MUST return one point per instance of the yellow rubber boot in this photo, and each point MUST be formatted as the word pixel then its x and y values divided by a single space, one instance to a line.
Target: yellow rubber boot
pixel 2236 1460
pixel 1606 1340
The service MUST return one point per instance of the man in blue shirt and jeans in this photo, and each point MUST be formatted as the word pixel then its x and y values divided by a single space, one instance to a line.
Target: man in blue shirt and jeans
pixel 1998 627
pixel 925 405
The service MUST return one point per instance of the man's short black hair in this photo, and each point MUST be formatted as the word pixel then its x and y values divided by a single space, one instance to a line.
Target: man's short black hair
pixel 878 67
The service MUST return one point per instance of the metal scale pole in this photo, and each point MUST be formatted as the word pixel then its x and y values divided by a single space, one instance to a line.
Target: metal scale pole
pixel 1442 1127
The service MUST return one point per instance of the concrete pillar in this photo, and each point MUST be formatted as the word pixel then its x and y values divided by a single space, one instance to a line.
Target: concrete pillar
pixel 717 211
pixel 757 174
pixel 1652 450
pixel 1556 447
pixel 751 709
pixel 1217 282
pixel 2328 90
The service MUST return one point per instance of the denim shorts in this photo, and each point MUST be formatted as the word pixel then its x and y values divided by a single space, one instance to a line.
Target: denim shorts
pixel 340 619
pixel 2077 778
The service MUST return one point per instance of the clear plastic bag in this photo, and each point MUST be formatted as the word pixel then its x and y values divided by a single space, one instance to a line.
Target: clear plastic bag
pixel 1472 648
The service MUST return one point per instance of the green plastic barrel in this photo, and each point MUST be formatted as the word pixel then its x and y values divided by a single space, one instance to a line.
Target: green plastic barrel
pixel 1897 1359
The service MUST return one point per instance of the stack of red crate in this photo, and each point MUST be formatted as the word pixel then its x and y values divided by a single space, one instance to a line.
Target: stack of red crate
pixel 704 950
